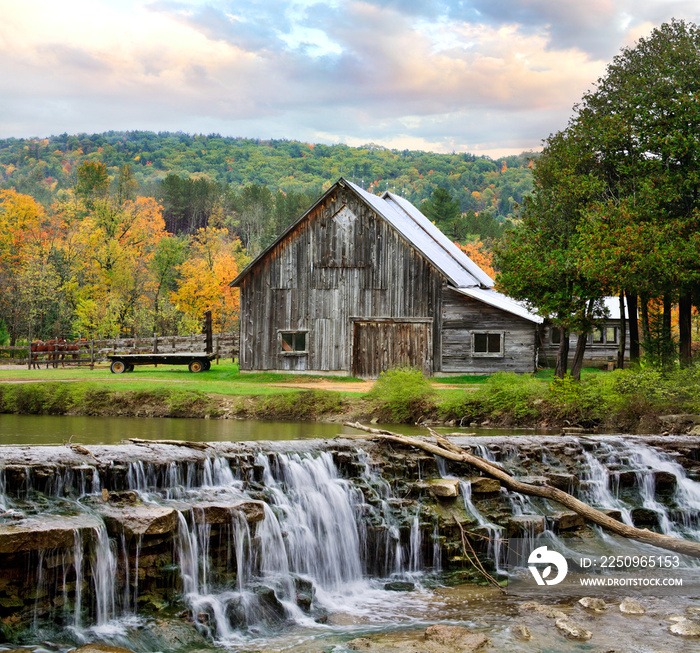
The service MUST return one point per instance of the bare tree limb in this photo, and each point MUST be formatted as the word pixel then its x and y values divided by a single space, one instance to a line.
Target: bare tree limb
pixel 593 515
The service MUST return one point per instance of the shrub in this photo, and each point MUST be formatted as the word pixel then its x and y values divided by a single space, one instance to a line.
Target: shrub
pixel 309 404
pixel 402 395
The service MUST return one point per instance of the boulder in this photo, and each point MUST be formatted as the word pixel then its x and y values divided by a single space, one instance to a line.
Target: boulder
pixel 630 606
pixel 484 485
pixel 566 521
pixel 522 632
pixel 399 586
pixel 645 518
pixel 685 627
pixel 525 525
pixel 138 519
pixel 572 629
pixel 222 513
pixel 444 488
pixel 532 607
pixel 566 482
pixel 665 482
pixel 593 604
pixel 457 638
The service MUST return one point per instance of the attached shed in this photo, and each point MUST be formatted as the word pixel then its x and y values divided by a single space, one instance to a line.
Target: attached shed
pixel 603 344
pixel 362 283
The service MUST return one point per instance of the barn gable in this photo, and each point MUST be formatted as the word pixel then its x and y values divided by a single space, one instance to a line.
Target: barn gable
pixel 356 286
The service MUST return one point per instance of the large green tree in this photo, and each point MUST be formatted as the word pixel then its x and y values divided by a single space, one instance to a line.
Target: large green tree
pixel 540 261
pixel 642 123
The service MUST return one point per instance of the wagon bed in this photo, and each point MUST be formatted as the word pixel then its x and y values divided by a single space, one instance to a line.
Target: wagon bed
pixel 195 361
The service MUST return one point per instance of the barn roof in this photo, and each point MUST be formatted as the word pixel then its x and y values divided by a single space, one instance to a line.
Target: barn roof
pixel 457 267
pixel 499 300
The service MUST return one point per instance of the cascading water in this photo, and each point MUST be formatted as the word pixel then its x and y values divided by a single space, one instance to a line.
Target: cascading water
pixel 281 540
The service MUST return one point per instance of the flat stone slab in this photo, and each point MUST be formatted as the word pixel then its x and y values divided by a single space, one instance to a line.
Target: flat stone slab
pixel 138 520
pixel 222 513
pixel 444 488
pixel 46 532
pixel 484 485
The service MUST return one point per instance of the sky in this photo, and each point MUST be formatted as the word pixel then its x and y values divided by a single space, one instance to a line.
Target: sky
pixel 491 77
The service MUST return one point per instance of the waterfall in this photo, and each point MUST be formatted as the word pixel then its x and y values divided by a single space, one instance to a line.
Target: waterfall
pixel 268 540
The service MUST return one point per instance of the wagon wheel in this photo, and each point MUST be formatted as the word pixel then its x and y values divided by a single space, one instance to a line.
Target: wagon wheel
pixel 118 367
pixel 196 366
pixel 207 365
pixel 130 367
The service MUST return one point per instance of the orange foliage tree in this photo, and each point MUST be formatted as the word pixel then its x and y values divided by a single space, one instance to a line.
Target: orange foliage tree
pixel 482 256
pixel 214 259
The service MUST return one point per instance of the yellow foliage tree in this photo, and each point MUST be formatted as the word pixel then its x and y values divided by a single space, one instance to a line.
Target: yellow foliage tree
pixel 215 258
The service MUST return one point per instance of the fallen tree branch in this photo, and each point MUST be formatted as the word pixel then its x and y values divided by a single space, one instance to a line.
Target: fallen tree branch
pixel 593 515
pixel 473 559
pixel 201 446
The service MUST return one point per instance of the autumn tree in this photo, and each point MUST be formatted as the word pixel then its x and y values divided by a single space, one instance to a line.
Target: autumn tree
pixel 21 227
pixel 213 260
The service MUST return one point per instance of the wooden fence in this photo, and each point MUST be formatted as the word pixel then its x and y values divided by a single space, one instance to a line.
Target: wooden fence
pixel 61 353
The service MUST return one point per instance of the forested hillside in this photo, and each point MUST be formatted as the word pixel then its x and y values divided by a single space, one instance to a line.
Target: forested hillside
pixel 41 167
pixel 135 233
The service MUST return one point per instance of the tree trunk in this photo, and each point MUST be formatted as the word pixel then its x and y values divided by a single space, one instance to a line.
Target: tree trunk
pixel 623 334
pixel 562 353
pixel 645 323
pixel 685 350
pixel 632 321
pixel 449 450
pixel 577 363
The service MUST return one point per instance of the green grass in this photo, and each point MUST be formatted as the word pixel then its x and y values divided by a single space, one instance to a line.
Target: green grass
pixel 222 379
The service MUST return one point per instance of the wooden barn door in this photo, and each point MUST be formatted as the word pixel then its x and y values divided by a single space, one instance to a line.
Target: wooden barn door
pixel 379 346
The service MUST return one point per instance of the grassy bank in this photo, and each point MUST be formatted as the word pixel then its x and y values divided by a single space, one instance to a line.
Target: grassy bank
pixel 624 400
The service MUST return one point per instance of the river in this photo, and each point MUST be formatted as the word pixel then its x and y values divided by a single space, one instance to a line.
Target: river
pixel 48 429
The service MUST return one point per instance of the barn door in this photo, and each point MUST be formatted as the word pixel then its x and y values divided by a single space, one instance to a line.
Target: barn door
pixel 381 345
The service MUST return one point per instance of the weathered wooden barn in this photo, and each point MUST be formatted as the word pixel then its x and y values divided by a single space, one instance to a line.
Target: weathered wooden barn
pixel 362 283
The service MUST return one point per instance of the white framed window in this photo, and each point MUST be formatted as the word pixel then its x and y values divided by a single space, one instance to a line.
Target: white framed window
pixel 487 343
pixel 293 342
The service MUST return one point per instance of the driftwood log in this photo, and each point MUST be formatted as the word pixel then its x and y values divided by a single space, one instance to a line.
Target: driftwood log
pixel 447 449
pixel 200 446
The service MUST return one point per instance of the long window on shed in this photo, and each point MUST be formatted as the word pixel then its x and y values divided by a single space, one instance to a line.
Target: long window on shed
pixel 487 343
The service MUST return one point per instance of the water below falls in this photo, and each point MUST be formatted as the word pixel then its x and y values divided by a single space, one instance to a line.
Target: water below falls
pixel 306 546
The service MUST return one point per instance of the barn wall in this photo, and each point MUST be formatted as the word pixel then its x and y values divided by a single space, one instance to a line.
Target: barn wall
pixel 461 316
pixel 341 263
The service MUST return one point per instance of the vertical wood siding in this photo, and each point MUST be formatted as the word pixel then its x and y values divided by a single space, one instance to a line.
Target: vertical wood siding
pixel 341 262
pixel 461 316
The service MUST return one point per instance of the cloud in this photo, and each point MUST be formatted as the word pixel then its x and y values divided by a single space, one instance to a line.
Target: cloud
pixel 481 76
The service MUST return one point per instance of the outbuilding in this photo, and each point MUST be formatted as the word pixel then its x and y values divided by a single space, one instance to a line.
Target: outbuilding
pixel 363 283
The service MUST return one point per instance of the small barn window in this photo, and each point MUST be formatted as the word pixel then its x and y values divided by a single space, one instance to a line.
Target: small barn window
pixel 611 335
pixel 293 342
pixel 487 343
pixel 598 335
pixel 556 335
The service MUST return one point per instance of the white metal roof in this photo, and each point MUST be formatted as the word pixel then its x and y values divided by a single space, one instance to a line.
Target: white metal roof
pixel 459 269
pixel 494 298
